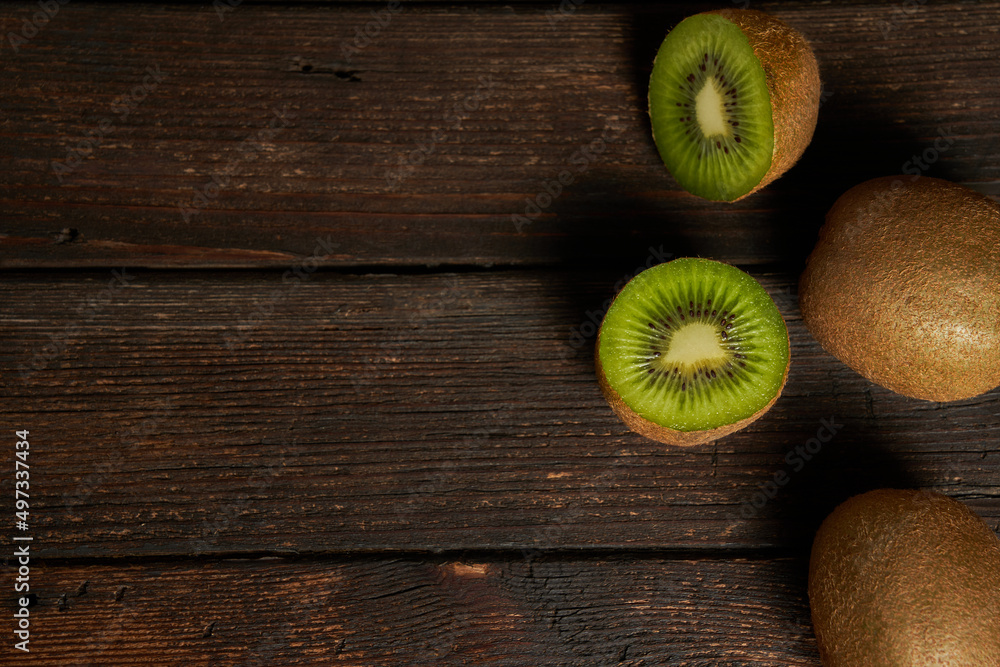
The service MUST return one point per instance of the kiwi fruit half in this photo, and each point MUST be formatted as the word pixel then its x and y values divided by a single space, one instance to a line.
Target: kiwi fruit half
pixel 690 351
pixel 733 100
pixel 904 287
pixel 905 578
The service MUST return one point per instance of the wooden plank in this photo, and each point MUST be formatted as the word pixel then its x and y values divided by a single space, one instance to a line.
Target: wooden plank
pixel 234 413
pixel 447 611
pixel 422 146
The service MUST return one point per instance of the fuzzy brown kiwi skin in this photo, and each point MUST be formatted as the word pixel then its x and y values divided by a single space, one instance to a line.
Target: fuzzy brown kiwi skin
pixel 663 434
pixel 793 83
pixel 903 577
pixel 903 286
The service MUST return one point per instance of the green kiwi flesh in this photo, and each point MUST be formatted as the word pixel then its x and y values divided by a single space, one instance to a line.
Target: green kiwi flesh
pixel 710 109
pixel 903 577
pixel 692 350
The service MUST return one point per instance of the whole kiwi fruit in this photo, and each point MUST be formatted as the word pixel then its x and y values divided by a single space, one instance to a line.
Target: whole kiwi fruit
pixel 903 578
pixel 904 287
pixel 733 100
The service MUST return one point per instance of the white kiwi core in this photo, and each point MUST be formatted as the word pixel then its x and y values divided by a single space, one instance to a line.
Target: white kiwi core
pixel 695 345
pixel 709 110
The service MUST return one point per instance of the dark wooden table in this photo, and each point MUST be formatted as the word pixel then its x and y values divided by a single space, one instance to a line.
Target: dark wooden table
pixel 302 332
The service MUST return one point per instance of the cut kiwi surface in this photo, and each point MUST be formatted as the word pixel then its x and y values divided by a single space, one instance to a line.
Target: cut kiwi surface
pixel 692 350
pixel 733 100
pixel 710 109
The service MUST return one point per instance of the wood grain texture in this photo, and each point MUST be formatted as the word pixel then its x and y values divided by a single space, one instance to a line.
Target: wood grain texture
pixel 420 145
pixel 447 611
pixel 221 413
pixel 411 466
